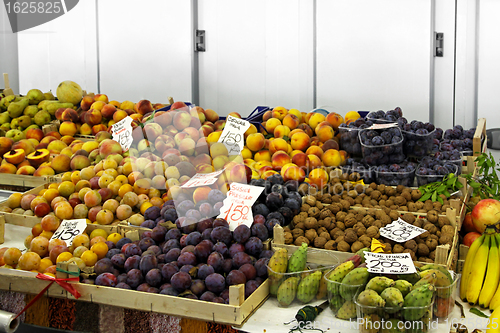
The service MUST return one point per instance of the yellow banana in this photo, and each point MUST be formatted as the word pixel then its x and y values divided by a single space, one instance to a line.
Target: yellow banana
pixel 476 276
pixel 469 261
pixel 492 274
pixel 494 322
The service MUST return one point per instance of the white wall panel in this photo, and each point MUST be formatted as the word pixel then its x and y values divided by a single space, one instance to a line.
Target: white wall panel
pixel 374 55
pixel 59 50
pixel 8 52
pixel 257 53
pixel 489 65
pixel 145 49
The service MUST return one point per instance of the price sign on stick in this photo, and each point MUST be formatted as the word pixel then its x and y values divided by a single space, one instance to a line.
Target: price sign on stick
pixel 233 134
pixel 122 132
pixel 237 208
pixel 69 229
pixel 397 263
pixel 400 231
pixel 202 179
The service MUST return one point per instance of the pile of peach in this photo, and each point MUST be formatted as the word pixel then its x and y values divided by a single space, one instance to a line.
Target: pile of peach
pixel 43 254
pixel 298 145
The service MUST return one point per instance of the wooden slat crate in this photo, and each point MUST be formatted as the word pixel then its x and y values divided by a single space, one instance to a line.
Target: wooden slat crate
pixel 462 254
pixel 469 162
pixel 2 229
pixel 27 181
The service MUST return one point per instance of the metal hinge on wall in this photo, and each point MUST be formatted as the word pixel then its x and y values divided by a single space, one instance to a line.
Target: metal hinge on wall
pixel 439 44
pixel 199 45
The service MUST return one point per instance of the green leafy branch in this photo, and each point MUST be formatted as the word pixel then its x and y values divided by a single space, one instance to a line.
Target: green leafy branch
pixel 486 183
pixel 433 191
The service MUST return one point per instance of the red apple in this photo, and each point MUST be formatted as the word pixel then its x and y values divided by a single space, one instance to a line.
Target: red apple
pixel 486 212
pixel 470 238
pixel 468 225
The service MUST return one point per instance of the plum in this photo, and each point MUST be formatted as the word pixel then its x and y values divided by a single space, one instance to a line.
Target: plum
pixel 194 214
pixel 123 241
pixel 249 271
pixel 266 254
pixel 154 277
pixel 227 266
pixel 202 251
pixel 276 215
pixel 222 234
pixel 242 233
pixel 173 234
pixel 218 300
pixel 146 242
pixel 171 244
pixel 215 196
pixel 235 248
pixel 161 259
pixel 235 277
pixel 240 259
pixel 122 285
pixel 206 234
pixel 220 223
pixel 143 287
pixel 260 231
pixel 221 248
pixel 112 252
pixel 106 279
pixel 207 296
pixel 250 287
pixel 215 259
pixel 152 213
pixel 172 255
pixel 168 270
pixel 204 224
pixel 132 250
pixel 118 260
pixel 188 248
pixel 121 278
pixel 103 265
pixel 204 271
pixel 198 287
pixel 194 238
pixel 158 233
pixel 147 263
pixel 260 209
pixel 287 214
pixel 170 291
pixel 134 278
pixel 150 224
pixel 131 263
pixel 215 283
pixel 180 281
pixel 274 200
pixel 187 258
pixel 155 249
pixel 258 219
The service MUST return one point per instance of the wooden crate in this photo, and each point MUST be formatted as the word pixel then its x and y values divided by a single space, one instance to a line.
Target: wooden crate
pixel 2 229
pixel 26 180
pixel 462 254
pixel 235 313
pixel 84 138
pixel 24 220
pixel 469 162
pixel 445 255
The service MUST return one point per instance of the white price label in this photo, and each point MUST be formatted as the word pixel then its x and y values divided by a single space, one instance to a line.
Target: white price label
pixel 382 126
pixel 122 132
pixel 233 134
pixel 237 207
pixel 400 231
pixel 202 179
pixel 69 229
pixel 383 263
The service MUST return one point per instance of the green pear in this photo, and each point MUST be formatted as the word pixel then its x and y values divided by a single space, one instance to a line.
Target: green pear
pixel 14 123
pixel 5 126
pixel 42 118
pixel 49 96
pixel 16 109
pixel 31 126
pixel 4 118
pixel 35 96
pixel 30 110
pixel 24 121
pixel 15 135
pixel 7 100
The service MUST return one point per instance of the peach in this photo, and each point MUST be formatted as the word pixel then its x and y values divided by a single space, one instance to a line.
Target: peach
pixel 219 125
pixel 314 161
pixel 281 131
pixel 87 102
pixel 108 111
pixel 143 107
pixel 123 212
pixel 68 139
pixel 201 159
pixel 108 147
pixel 201 193
pixel 344 156
pixel 315 150
pixel 351 116
pixel 277 145
pixel 192 132
pixel 53 134
pixel 234 114
pixel 279 112
pixel 318 177
pixel 8 168
pixel 119 115
pixel 25 145
pixel 316 119
pixel 279 159
pixel 315 141
pixel 181 120
pixel 206 130
pixel 335 120
pixel 219 162
pixel 127 105
pixel 92 198
pixel 42 209
pixel 60 163
pixel 332 158
pixel 93 117
pixel 92 215
pixel 204 168
pixel 294 173
pixel 101 97
pixel 98 128
pixel 291 121
pixel 267 173
pixel 179 105
pixel 43 170
pixel 85 129
pixel 300 141
pixel 79 162
pixel 255 142
pixel 26 170
pixel 70 115
pixel 56 145
pixel 296 113
pixel 263 155
pixel 306 129
pixel 211 115
pixel 267 115
pixel 32 133
pixel 271 124
pixel 187 147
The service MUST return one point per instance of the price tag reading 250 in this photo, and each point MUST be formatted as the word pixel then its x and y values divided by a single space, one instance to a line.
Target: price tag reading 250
pixel 237 208
pixel 233 134
pixel 69 229
pixel 383 263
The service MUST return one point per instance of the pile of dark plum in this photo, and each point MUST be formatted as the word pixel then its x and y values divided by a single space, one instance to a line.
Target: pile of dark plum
pixel 396 174
pixel 418 137
pixel 199 261
pixel 381 117
pixel 349 138
pixel 382 146
pixel 453 156
pixel 278 204
pixel 458 138
pixel 432 170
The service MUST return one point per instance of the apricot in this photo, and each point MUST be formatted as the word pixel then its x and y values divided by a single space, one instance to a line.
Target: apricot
pixel 332 158
pixel 318 177
pixel 40 245
pixel 300 141
pixel 11 256
pixel 330 144
pixel 279 159
pixel 255 142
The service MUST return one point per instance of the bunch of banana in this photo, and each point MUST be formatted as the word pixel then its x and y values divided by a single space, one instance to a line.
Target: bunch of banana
pixel 480 277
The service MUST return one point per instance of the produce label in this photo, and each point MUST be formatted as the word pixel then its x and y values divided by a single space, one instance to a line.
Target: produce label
pixel 400 231
pixel 382 126
pixel 233 134
pixel 237 207
pixel 383 263
pixel 202 179
pixel 122 132
pixel 69 229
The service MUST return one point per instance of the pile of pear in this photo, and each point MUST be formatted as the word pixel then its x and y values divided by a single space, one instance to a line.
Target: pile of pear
pixel 21 113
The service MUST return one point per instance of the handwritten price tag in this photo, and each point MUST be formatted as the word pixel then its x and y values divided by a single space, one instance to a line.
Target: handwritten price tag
pixel 233 134
pixel 400 231
pixel 397 263
pixel 382 126
pixel 202 179
pixel 122 132
pixel 237 208
pixel 69 229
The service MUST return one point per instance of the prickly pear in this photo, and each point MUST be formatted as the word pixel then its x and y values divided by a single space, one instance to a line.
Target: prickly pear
pixel 287 291
pixel 278 263
pixel 354 281
pixel 308 287
pixel 442 281
pixel 403 286
pixel 361 253
pixel 274 284
pixel 370 298
pixel 356 259
pixel 297 262
pixel 379 283
pixel 412 278
pixel 335 277
pixel 430 278
pixel 347 311
pixel 322 290
pixel 439 268
pixel 417 301
pixel 370 323
pixel 393 299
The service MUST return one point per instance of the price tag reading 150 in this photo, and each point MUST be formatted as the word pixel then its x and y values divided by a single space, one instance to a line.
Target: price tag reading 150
pixel 69 229
pixel 233 134
pixel 383 263
pixel 237 207
pixel 122 133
